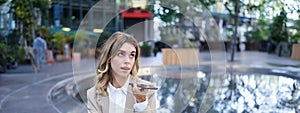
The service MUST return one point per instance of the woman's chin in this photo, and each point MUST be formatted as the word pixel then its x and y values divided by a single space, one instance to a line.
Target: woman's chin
pixel 124 74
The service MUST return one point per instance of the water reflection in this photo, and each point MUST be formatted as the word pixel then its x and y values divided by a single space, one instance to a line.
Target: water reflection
pixel 184 93
pixel 238 94
pixel 181 92
pixel 258 93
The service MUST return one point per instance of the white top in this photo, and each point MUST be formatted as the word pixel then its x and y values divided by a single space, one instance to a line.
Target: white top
pixel 117 99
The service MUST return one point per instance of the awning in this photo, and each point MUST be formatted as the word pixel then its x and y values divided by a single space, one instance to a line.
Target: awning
pixel 136 14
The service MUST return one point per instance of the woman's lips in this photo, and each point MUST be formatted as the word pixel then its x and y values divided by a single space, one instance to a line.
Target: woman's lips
pixel 125 68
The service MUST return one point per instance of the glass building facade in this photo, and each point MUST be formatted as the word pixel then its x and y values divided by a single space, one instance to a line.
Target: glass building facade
pixel 69 13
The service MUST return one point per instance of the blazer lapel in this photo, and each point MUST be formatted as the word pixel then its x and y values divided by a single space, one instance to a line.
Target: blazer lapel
pixel 103 102
pixel 130 101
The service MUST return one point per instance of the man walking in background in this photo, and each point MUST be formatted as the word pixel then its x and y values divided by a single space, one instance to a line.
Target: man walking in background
pixel 39 50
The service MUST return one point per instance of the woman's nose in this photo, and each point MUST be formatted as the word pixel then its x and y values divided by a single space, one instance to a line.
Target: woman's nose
pixel 127 60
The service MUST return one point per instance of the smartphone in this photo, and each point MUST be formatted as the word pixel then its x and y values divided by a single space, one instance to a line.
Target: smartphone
pixel 144 86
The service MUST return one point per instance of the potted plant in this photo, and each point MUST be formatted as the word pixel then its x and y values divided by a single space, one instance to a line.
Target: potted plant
pixel 80 45
pixel 2 58
pixel 146 49
pixel 155 51
pixel 15 54
pixel 59 40
pixel 295 46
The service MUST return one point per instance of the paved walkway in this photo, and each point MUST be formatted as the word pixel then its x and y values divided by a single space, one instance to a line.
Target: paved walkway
pixel 244 58
pixel 23 91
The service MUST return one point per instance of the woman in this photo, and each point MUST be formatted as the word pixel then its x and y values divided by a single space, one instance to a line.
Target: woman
pixel 117 68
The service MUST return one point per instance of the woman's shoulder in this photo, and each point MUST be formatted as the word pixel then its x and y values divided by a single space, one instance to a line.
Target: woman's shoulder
pixel 91 91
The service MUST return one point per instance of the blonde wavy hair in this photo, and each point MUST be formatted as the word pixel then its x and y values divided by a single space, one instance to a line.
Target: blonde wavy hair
pixel 108 51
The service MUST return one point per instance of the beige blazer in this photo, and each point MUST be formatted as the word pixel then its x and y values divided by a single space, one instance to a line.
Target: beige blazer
pixel 97 103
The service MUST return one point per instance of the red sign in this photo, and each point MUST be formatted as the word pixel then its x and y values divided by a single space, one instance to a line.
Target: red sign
pixel 136 14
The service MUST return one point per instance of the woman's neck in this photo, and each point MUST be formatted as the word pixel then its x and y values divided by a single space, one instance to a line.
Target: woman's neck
pixel 118 82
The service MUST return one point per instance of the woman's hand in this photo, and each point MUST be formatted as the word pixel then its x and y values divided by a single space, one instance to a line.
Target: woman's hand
pixel 139 93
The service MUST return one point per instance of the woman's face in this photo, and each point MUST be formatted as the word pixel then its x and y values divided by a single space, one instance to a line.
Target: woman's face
pixel 123 62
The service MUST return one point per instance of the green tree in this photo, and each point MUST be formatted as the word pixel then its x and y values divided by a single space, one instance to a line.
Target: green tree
pixel 59 40
pixel 170 11
pixel 175 13
pixel 81 41
pixel 237 7
pixel 259 32
pixel 295 38
pixel 234 12
pixel 2 2
pixel 46 34
pixel 278 28
pixel 27 12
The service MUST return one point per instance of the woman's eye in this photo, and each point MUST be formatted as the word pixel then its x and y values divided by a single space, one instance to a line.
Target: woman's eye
pixel 132 55
pixel 120 54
